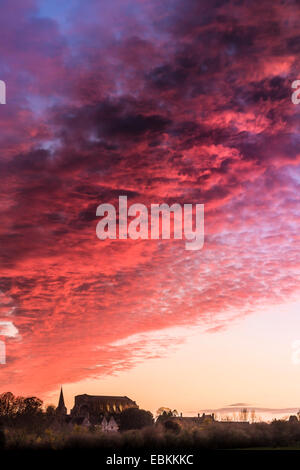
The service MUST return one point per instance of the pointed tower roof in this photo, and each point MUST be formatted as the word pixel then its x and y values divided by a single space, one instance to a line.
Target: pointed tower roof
pixel 61 402
pixel 61 409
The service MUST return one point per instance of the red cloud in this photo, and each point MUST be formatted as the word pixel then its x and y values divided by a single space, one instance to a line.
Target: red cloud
pixel 163 106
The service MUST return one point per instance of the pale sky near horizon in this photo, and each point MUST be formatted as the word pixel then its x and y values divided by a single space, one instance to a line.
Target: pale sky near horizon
pixel 250 362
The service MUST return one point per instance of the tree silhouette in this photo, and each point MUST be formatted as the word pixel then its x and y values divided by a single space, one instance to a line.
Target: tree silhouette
pixel 20 410
pixel 172 426
pixel 134 418
pixel 163 413
pixel 8 405
pixel 51 411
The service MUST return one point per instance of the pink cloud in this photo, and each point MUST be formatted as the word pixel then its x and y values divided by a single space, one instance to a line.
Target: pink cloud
pixel 170 106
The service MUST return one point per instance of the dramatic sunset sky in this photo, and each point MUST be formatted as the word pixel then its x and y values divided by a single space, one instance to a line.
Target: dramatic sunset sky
pixel 163 101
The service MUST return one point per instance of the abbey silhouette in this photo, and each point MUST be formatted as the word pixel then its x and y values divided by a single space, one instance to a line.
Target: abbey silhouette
pixel 100 411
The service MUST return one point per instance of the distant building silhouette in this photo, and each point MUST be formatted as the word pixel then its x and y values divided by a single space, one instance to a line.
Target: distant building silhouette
pixel 95 405
pixel 109 426
pixel 100 411
pixel 200 419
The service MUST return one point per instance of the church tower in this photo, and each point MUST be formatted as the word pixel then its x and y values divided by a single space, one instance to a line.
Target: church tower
pixel 61 409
